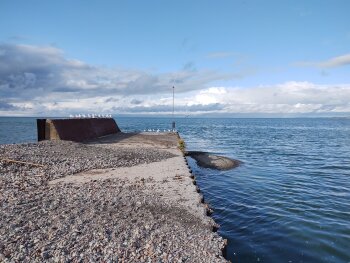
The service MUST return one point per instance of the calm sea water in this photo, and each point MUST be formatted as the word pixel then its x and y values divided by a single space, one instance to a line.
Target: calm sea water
pixel 288 202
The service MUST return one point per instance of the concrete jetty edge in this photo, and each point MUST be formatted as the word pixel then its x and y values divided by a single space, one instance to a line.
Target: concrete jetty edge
pixel 207 207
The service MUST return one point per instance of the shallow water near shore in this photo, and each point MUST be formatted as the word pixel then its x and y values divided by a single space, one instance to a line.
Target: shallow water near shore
pixel 290 199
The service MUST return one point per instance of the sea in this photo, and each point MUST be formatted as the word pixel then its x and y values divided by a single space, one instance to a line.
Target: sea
pixel 289 200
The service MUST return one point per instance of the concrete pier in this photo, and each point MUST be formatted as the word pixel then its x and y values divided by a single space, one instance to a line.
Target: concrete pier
pixel 124 197
pixel 171 179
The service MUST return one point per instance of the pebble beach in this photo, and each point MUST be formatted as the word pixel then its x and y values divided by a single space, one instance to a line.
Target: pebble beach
pixel 111 200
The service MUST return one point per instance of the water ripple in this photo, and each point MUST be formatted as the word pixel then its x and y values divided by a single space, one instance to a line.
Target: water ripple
pixel 290 201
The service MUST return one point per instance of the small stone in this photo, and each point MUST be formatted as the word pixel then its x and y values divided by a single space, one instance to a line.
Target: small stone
pixel 45 255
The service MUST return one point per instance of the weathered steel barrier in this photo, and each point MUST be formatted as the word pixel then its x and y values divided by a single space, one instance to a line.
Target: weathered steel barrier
pixel 75 129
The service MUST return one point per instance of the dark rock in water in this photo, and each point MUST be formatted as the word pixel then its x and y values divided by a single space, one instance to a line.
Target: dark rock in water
pixel 208 160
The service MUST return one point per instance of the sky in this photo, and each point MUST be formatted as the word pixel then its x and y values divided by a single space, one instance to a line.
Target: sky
pixel 224 58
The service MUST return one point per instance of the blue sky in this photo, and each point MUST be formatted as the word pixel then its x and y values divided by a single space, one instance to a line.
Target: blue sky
pixel 202 47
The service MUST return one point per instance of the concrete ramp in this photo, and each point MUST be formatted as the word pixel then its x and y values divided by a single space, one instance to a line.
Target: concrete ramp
pixel 77 130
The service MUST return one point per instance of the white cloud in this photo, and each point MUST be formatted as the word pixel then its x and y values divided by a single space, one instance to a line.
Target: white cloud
pixel 289 97
pixel 31 72
pixel 41 81
pixel 330 63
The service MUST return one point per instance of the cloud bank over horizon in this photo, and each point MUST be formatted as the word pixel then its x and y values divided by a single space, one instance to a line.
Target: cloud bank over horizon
pixel 41 81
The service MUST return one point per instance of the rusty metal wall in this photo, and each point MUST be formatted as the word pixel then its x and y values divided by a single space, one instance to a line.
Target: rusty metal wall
pixel 77 129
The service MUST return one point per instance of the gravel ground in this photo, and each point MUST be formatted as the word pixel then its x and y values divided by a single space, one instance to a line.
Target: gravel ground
pixel 63 158
pixel 113 220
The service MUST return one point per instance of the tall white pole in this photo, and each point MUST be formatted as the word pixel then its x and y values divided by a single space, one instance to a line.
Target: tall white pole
pixel 173 126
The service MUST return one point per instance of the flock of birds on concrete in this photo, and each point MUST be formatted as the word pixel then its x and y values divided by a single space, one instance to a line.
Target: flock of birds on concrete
pixel 81 116
pixel 158 130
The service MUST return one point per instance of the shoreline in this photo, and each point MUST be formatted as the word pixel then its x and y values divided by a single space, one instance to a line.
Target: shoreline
pixel 125 196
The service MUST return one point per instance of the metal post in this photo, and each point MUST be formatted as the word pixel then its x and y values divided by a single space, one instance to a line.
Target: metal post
pixel 173 108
